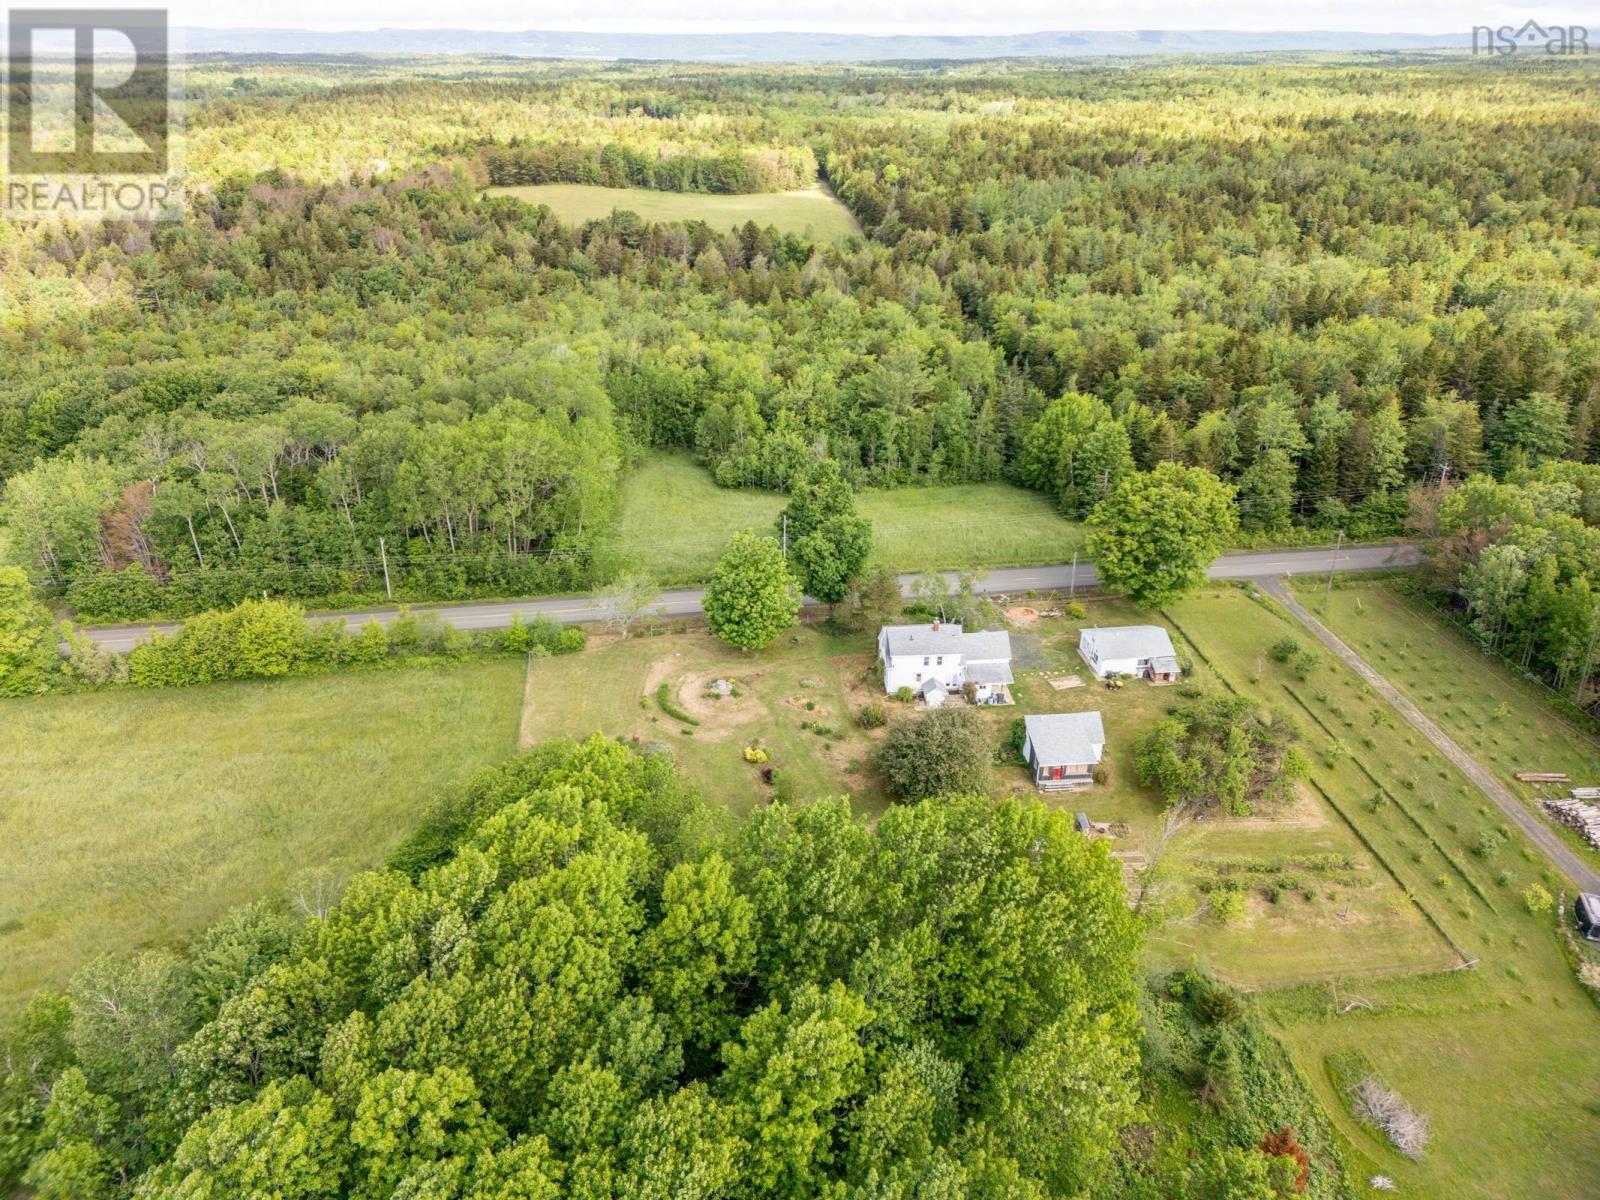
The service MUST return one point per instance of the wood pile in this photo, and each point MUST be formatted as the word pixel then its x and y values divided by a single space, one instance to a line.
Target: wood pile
pixel 1575 814
pixel 1542 777
pixel 1586 793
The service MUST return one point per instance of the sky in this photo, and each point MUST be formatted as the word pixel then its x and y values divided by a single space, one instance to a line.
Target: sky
pixel 882 17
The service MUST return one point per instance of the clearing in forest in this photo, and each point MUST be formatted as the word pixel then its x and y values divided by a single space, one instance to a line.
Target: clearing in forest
pixel 812 212
pixel 676 522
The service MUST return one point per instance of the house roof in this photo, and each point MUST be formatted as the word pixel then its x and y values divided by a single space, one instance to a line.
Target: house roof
pixel 947 639
pixel 994 646
pixel 1066 737
pixel 1129 641
pixel 988 672
pixel 1165 665
pixel 922 639
pixel 930 685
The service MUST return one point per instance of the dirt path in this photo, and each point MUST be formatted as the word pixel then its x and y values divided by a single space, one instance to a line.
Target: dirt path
pixel 1515 810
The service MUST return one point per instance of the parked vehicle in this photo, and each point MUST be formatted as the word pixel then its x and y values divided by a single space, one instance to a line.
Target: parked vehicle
pixel 1587 911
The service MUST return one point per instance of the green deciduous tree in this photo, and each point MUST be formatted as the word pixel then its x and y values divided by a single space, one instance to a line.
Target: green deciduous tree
pixel 1155 535
pixel 751 598
pixel 28 656
pixel 941 753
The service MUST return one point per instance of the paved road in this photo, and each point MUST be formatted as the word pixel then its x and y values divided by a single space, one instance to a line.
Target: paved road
pixel 1515 810
pixel 686 602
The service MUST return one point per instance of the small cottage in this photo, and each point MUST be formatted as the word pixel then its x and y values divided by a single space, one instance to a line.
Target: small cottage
pixel 938 660
pixel 1140 650
pixel 1063 749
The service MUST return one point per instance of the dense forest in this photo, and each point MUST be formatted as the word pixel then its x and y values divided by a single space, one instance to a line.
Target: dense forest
pixel 1326 283
pixel 575 980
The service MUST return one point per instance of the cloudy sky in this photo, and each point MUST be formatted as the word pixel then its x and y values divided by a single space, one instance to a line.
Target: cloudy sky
pixel 885 16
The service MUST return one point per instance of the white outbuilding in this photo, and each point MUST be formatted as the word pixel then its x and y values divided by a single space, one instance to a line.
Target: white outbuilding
pixel 1142 650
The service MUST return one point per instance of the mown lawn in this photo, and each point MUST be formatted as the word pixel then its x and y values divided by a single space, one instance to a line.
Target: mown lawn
pixel 1503 721
pixel 1505 1058
pixel 812 212
pixel 676 522
pixel 134 818
pixel 797 700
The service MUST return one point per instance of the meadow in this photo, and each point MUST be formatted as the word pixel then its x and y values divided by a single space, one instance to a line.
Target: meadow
pixel 135 818
pixel 1505 722
pixel 810 212
pixel 1503 1057
pixel 676 521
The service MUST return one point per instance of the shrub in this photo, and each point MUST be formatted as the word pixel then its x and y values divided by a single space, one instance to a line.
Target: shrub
pixel 1284 649
pixel 1538 899
pixel 668 705
pixel 1488 842
pixel 125 595
pixel 258 639
pixel 1075 610
pixel 90 663
pixel 872 715
pixel 754 754
pixel 1304 662
pixel 905 695
pixel 1227 906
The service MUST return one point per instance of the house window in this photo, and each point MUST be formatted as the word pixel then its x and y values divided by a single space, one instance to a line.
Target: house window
pixel 919 676
pixel 941 660
pixel 924 660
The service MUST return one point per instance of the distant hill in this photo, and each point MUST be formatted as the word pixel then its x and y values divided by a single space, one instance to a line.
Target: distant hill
pixel 802 47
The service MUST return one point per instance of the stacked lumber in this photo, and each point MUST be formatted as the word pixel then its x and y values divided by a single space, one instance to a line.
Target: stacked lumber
pixel 1586 793
pixel 1542 777
pixel 1575 814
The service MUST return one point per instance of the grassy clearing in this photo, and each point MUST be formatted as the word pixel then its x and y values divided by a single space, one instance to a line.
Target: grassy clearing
pixel 1504 722
pixel 1504 1059
pixel 813 212
pixel 676 522
pixel 134 818
pixel 808 680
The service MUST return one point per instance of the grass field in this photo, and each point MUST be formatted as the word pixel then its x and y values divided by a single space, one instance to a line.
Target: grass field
pixel 1504 1058
pixel 813 212
pixel 809 678
pixel 676 522
pixel 1503 721
pixel 135 818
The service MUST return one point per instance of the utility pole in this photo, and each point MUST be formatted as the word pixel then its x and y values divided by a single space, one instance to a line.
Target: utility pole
pixel 1072 588
pixel 1327 596
pixel 786 534
pixel 383 552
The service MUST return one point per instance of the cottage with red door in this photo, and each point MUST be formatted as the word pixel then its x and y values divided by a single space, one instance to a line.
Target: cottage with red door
pixel 1063 749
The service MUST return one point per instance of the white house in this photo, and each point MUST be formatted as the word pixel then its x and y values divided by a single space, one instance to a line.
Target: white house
pixel 1063 749
pixel 935 660
pixel 1143 650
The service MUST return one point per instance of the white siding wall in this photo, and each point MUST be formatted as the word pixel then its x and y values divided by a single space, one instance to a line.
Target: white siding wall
pixel 904 671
